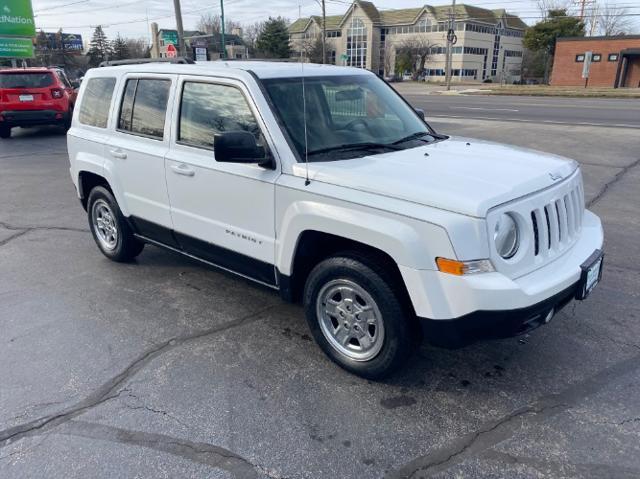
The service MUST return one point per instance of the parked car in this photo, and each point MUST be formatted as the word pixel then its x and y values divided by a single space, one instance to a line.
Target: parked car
pixel 383 228
pixel 35 96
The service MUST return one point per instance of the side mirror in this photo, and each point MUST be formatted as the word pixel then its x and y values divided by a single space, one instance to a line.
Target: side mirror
pixel 420 113
pixel 240 147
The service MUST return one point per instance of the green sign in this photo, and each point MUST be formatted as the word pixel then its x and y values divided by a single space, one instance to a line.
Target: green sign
pixel 170 37
pixel 16 48
pixel 16 18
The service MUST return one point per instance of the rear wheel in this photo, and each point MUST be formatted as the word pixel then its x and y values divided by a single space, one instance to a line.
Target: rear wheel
pixel 355 315
pixel 5 132
pixel 109 227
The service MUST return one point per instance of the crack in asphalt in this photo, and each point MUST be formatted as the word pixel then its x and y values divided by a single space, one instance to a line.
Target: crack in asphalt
pixel 110 389
pixel 617 177
pixel 13 236
pixel 200 452
pixel 27 228
pixel 497 431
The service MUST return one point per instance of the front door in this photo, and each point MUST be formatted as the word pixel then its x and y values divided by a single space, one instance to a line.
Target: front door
pixel 221 212
pixel 136 152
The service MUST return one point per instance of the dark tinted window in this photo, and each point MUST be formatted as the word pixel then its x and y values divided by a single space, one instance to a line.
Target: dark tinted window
pixel 96 101
pixel 207 109
pixel 25 80
pixel 145 115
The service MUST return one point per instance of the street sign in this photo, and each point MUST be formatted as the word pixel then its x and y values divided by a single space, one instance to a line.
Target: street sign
pixel 16 48
pixel 201 54
pixel 169 36
pixel 16 18
pixel 171 51
pixel 587 65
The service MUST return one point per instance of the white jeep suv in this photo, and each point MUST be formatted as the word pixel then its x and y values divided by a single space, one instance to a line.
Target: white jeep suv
pixel 321 182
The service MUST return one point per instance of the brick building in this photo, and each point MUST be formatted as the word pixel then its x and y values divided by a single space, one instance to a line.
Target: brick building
pixel 615 61
pixel 489 42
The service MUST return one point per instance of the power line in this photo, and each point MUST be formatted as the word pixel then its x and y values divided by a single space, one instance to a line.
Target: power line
pixel 60 6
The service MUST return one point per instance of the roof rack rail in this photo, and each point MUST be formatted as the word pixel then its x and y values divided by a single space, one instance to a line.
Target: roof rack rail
pixel 140 61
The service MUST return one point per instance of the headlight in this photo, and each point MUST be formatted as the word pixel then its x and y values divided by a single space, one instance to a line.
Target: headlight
pixel 506 237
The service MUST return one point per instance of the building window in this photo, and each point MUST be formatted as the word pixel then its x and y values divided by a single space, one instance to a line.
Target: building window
pixel 596 57
pixel 613 57
pixel 580 58
pixel 357 44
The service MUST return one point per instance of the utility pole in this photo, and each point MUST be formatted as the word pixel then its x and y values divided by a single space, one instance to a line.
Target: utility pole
pixel 450 41
pixel 223 52
pixel 324 34
pixel 178 12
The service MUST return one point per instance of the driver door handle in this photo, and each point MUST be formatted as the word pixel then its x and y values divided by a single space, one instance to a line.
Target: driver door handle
pixel 183 170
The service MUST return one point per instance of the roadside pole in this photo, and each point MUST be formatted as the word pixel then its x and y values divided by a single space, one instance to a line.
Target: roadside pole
pixel 223 51
pixel 324 34
pixel 178 12
pixel 450 41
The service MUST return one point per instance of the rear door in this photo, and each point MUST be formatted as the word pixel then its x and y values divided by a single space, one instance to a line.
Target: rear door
pixel 136 149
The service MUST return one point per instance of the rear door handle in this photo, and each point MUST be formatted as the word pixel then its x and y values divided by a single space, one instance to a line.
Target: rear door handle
pixel 118 154
pixel 183 170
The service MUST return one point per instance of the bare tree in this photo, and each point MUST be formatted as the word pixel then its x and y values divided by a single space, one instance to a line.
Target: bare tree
pixel 138 47
pixel 614 20
pixel 212 23
pixel 545 6
pixel 414 53
pixel 389 56
pixel 251 32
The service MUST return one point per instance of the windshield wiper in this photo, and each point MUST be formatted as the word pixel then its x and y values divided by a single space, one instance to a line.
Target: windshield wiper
pixel 356 146
pixel 413 136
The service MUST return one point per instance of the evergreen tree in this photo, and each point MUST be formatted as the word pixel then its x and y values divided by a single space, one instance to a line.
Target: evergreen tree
pixel 543 35
pixel 120 48
pixel 273 41
pixel 99 48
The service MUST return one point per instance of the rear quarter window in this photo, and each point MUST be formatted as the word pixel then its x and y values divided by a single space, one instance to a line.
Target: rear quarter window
pixel 96 101
pixel 26 80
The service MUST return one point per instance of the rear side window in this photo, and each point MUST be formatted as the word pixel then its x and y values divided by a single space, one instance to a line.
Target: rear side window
pixel 207 109
pixel 144 107
pixel 25 80
pixel 96 101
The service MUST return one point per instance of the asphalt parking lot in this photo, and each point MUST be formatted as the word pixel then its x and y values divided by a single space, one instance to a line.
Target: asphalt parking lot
pixel 165 368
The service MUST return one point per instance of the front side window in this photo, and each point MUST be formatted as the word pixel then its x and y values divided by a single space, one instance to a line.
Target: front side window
pixel 96 102
pixel 144 107
pixel 345 115
pixel 207 109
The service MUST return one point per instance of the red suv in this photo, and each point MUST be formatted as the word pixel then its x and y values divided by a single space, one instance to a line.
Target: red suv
pixel 35 96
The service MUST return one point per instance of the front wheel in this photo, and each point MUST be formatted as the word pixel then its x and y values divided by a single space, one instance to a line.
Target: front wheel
pixel 354 312
pixel 109 227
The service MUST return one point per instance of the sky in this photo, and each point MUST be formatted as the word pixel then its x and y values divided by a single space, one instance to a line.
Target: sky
pixel 129 17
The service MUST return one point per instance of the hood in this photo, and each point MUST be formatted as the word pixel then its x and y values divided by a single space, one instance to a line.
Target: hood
pixel 462 175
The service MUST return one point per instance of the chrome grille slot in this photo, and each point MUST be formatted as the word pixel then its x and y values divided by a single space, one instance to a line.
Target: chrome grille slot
pixel 552 223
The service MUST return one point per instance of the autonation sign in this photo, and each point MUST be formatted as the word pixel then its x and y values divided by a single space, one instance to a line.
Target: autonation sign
pixel 16 18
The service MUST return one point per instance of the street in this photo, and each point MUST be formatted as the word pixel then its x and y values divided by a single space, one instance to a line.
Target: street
pixel 166 368
pixel 547 110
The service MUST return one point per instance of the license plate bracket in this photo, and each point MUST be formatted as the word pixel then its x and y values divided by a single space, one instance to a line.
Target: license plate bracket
pixel 591 274
pixel 26 97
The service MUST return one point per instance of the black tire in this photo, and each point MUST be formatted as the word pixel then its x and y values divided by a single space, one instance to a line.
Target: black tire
pixel 5 132
pixel 399 332
pixel 67 122
pixel 125 246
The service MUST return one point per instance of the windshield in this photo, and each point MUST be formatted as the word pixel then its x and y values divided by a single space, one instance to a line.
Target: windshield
pixel 347 116
pixel 25 80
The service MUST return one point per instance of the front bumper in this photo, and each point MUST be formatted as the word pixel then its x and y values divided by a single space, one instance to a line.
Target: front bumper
pixel 488 302
pixel 13 118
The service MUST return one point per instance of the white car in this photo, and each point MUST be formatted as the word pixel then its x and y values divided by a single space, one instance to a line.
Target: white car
pixel 321 182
